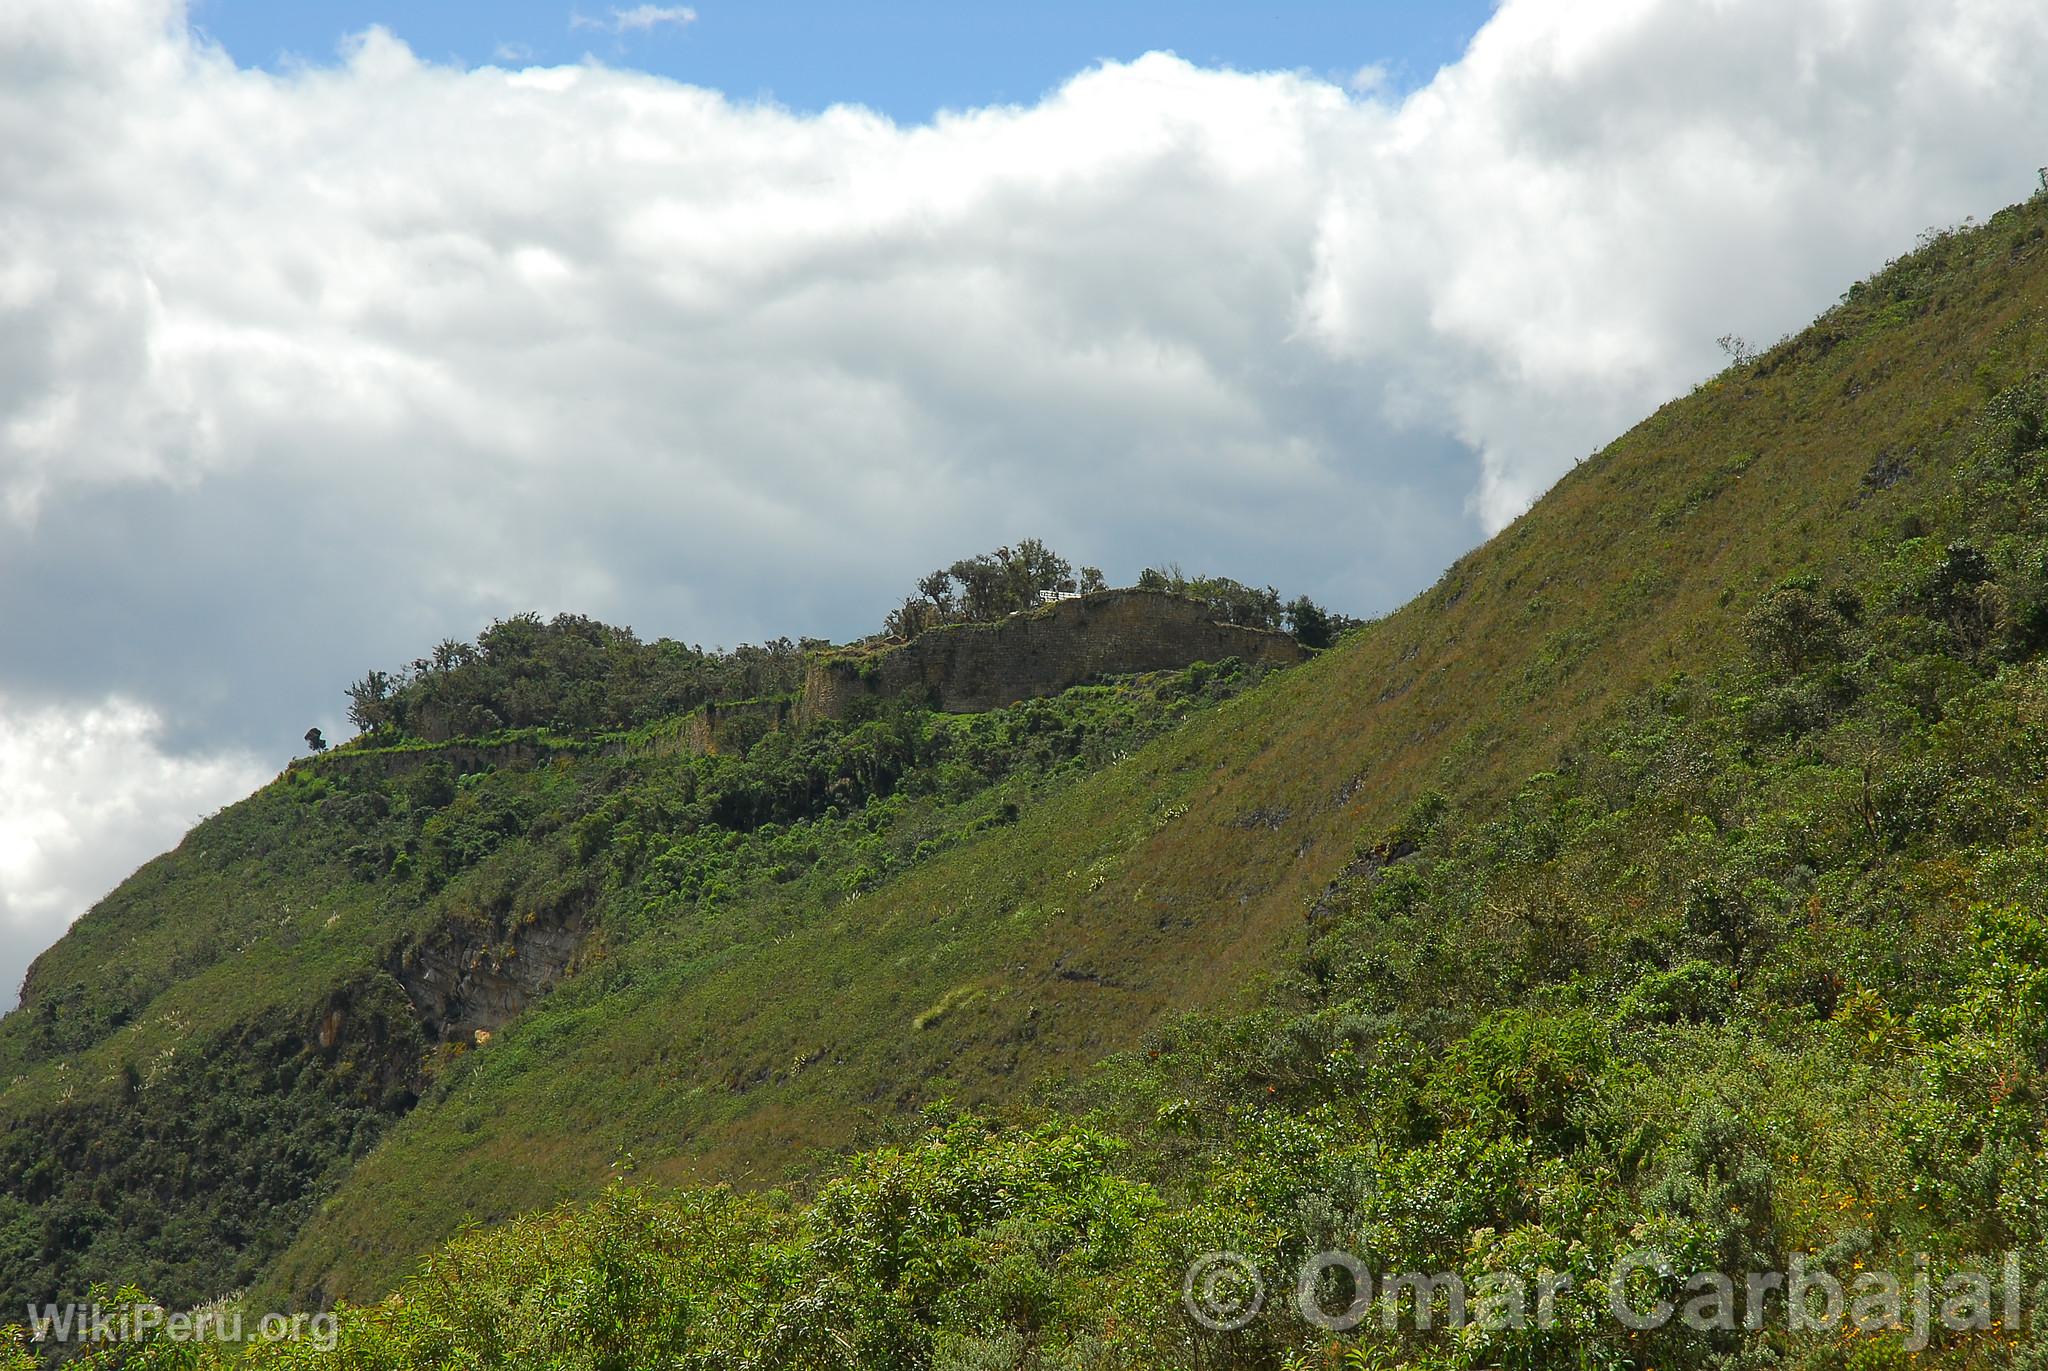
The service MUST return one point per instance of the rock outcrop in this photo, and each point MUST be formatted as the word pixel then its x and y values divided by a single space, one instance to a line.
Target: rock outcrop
pixel 480 973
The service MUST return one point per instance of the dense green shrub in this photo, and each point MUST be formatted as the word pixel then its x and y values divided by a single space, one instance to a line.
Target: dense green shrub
pixel 569 673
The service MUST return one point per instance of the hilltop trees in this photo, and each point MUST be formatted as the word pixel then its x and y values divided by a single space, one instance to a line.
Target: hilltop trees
pixel 1253 607
pixel 569 672
pixel 988 586
pixel 576 674
pixel 1312 625
pixel 992 584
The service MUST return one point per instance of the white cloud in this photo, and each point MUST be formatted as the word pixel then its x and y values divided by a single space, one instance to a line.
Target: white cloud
pixel 1555 230
pixel 86 795
pixel 1371 79
pixel 638 19
pixel 301 371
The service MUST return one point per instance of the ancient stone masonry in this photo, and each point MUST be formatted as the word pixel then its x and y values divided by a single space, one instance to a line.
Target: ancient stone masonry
pixel 960 668
pixel 735 725
pixel 460 757
pixel 966 668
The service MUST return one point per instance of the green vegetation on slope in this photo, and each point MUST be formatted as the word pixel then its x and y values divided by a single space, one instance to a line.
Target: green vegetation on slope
pixel 1673 874
pixel 213 1049
pixel 698 1044
pixel 570 674
pixel 985 588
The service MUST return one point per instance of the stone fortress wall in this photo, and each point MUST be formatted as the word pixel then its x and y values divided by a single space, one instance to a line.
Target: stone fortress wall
pixel 966 668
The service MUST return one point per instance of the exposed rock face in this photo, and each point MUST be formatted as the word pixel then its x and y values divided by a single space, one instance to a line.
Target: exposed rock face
pixel 966 668
pixel 467 976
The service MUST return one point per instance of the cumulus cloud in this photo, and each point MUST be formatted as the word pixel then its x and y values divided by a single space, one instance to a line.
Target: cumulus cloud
pixel 302 371
pixel 87 794
pixel 1371 79
pixel 1557 226
pixel 639 19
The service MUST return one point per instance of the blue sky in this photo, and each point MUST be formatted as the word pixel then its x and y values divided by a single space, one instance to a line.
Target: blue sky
pixel 907 60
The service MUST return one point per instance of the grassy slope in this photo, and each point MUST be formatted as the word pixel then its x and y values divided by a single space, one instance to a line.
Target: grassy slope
pixel 1174 880
pixel 176 1104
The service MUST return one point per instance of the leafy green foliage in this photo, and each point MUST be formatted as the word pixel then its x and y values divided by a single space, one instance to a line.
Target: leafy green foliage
pixel 569 673
pixel 988 586
pixel 181 1141
pixel 1253 607
pixel 1677 874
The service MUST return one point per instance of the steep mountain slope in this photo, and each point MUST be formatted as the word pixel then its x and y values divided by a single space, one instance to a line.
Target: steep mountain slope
pixel 219 1041
pixel 1057 910
pixel 1746 970
pixel 1177 880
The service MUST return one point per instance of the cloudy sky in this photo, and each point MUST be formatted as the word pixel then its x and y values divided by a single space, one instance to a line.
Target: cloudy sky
pixel 322 341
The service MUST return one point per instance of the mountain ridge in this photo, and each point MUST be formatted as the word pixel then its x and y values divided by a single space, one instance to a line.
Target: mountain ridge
pixel 1440 652
pixel 1059 917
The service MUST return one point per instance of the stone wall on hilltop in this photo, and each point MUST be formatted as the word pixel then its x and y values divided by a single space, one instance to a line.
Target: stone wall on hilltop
pixel 736 725
pixel 966 668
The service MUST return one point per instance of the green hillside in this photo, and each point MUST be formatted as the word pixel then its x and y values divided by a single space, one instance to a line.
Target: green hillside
pixel 1669 874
